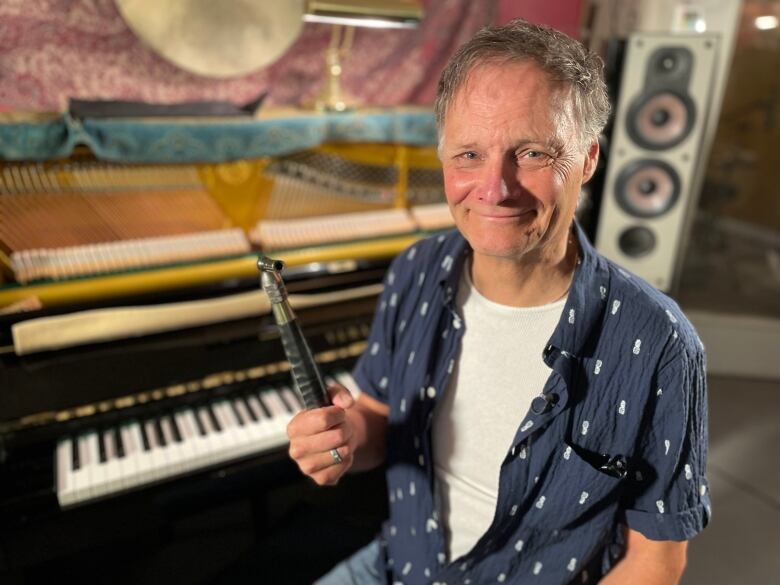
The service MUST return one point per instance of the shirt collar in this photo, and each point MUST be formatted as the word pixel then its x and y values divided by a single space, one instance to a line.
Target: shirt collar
pixel 586 302
pixel 449 274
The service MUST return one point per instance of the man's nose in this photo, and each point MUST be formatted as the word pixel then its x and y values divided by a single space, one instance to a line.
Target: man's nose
pixel 498 181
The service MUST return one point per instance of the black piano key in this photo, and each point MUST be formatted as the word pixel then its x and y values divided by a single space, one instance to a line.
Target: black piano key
pixel 75 459
pixel 175 428
pixel 266 412
pixel 158 432
pixel 251 412
pixel 213 417
pixel 237 414
pixel 286 403
pixel 199 424
pixel 120 445
pixel 145 437
pixel 102 447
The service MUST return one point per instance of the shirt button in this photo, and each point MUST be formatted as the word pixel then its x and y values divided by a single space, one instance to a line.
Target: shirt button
pixel 456 323
pixel 544 403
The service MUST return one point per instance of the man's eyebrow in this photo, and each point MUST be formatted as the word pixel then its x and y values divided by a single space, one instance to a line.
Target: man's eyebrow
pixel 551 142
pixel 462 146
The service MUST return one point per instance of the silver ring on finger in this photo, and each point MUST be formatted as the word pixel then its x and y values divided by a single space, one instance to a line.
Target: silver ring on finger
pixel 336 456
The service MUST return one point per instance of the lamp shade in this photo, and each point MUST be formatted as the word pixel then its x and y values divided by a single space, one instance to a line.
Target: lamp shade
pixel 215 39
pixel 370 13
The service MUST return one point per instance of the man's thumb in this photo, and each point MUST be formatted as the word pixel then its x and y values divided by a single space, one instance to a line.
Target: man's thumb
pixel 340 396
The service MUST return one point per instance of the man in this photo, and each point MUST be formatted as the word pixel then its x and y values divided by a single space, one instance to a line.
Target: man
pixel 541 412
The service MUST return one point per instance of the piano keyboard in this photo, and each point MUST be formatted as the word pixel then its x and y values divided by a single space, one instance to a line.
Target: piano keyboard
pixel 136 453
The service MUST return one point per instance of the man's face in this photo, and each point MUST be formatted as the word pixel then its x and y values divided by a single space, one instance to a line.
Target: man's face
pixel 513 162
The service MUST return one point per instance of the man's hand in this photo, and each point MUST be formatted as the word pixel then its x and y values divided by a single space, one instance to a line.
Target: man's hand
pixel 314 433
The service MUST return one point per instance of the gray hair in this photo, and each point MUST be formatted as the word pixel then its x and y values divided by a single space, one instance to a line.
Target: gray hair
pixel 560 56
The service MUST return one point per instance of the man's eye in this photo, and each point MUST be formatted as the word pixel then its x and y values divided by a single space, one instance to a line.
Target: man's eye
pixel 533 154
pixel 532 157
pixel 470 155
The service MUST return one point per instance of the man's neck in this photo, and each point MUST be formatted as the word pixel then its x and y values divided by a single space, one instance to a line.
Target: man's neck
pixel 526 281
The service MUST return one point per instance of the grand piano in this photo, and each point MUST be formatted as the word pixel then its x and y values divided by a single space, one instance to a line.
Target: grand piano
pixel 143 386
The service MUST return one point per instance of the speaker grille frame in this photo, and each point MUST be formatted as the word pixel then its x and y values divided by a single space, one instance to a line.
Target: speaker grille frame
pixel 694 78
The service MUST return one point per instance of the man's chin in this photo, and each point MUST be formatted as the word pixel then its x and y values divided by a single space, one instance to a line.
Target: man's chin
pixel 503 250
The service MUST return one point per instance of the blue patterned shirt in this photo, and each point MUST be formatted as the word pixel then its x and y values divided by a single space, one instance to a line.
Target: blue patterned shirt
pixel 619 440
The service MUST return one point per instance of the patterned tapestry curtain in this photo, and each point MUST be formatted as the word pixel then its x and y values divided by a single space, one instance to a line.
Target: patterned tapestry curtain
pixel 51 50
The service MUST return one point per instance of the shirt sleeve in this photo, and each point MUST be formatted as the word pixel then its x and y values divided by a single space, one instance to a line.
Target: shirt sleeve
pixel 668 495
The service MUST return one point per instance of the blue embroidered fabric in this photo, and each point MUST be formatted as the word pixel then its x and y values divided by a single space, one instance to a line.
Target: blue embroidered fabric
pixel 210 140
pixel 620 439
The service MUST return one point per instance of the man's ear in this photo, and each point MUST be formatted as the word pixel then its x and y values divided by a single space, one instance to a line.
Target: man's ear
pixel 591 158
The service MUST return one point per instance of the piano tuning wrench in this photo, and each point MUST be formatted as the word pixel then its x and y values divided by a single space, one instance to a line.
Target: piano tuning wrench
pixel 305 372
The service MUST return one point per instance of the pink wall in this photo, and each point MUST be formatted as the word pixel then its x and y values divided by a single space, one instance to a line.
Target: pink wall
pixel 51 50
pixel 563 15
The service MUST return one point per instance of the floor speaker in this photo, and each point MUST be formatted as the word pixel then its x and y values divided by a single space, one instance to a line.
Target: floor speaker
pixel 654 151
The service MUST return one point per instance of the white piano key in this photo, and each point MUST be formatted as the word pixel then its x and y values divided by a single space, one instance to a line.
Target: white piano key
pixel 130 466
pixel 219 438
pixel 265 423
pixel 173 452
pixel 278 411
pixel 270 434
pixel 109 470
pixel 251 426
pixel 157 455
pixel 196 450
pixel 345 378
pixel 190 458
pixel 123 463
pixel 64 475
pixel 203 445
pixel 225 419
pixel 80 476
pixel 292 399
pixel 94 472
pixel 254 404
pixel 144 461
pixel 241 442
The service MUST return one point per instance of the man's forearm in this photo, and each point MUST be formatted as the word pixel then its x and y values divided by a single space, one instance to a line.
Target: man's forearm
pixel 648 562
pixel 638 571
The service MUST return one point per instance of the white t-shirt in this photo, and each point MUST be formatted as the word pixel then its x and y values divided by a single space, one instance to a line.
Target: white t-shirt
pixel 499 372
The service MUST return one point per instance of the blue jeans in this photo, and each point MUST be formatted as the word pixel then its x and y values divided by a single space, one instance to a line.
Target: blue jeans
pixel 359 569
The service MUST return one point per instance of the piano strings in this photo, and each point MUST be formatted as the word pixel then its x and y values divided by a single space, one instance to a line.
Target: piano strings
pixel 78 218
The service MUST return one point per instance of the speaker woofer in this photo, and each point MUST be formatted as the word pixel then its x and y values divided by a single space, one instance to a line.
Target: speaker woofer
pixel 637 241
pixel 661 119
pixel 647 188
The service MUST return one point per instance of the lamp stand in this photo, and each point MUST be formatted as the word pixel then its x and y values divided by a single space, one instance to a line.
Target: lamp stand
pixel 332 97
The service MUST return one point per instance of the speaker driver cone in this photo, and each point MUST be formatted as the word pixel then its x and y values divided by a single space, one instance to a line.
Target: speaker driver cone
pixel 637 241
pixel 661 119
pixel 647 188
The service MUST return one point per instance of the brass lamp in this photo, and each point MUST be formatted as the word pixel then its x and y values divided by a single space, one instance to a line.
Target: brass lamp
pixel 344 15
